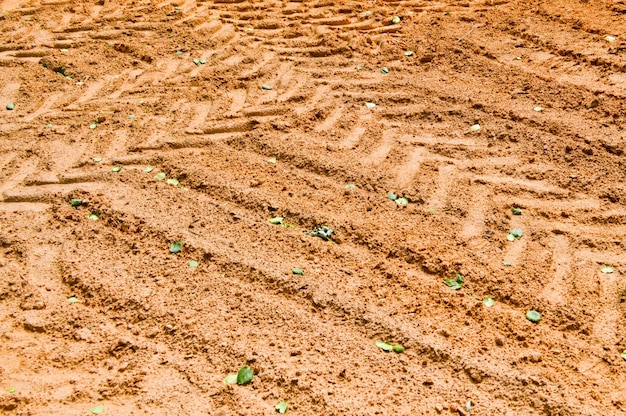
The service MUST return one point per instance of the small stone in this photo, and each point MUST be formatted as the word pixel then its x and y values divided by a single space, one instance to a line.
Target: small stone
pixel 534 357
pixel 474 374
pixel 499 342
pixel 439 408
pixel 34 324
pixel 10 106
pixel 428 382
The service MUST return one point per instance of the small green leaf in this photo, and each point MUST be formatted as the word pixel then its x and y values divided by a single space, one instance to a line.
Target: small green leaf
pixel 623 355
pixel 276 220
pixel 456 283
pixel 384 70
pixel 172 181
pixel 408 53
pixel 607 269
pixel 244 376
pixel 11 389
pixel 231 379
pixel 76 202
pixel 159 176
pixel 179 53
pixel 116 168
pixel 392 196
pixel 370 105
pixel 93 217
pixel 489 302
pixel 398 348
pixel 533 316
pixel 475 127
pixel 538 109
pixel 148 169
pixel 517 232
pixel 297 271
pixel 510 237
pixel 93 125
pixel 383 345
pixel 193 264
pixel 350 186
pixel 516 211
pixel 360 67
pixel 281 407
pixel 431 211
pixel 98 409
pixel 507 263
pixel 395 20
pixel 402 201
pixel 176 247
pixel 272 160
pixel 131 116
pixel 97 159
pixel 73 299
pixel 10 106
pixel 266 87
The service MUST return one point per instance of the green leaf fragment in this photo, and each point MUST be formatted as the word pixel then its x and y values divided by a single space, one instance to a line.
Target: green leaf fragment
pixel 392 196
pixel 97 159
pixel 607 269
pixel 360 67
pixel 93 217
pixel 176 247
pixel 93 125
pixel 11 389
pixel 172 181
pixel 516 211
pixel 266 87
pixel 10 106
pixel 350 186
pixel 297 271
pixel 384 70
pixel 402 201
pixel 116 168
pixel 516 232
pixel 76 202
pixel 456 283
pixel 370 105
pixel 489 302
pixel 281 407
pixel 533 316
pixel 395 20
pixel 507 263
pixel 510 237
pixel 148 169
pixel 244 376
pixel 623 355
pixel 230 379
pixel 98 409
pixel 475 127
pixel 193 264
pixel 73 299
pixel 272 160
pixel 196 61
pixel 179 53
pixel 383 345
pixel 276 220
pixel 408 53
pixel 398 349
pixel 131 116
pixel 159 176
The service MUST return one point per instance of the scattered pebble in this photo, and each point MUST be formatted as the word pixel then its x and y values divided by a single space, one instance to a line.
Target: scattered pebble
pixel 10 106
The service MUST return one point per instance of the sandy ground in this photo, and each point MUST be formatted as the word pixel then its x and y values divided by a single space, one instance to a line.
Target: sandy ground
pixel 199 121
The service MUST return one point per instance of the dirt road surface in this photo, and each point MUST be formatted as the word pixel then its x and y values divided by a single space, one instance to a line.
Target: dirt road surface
pixel 198 122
